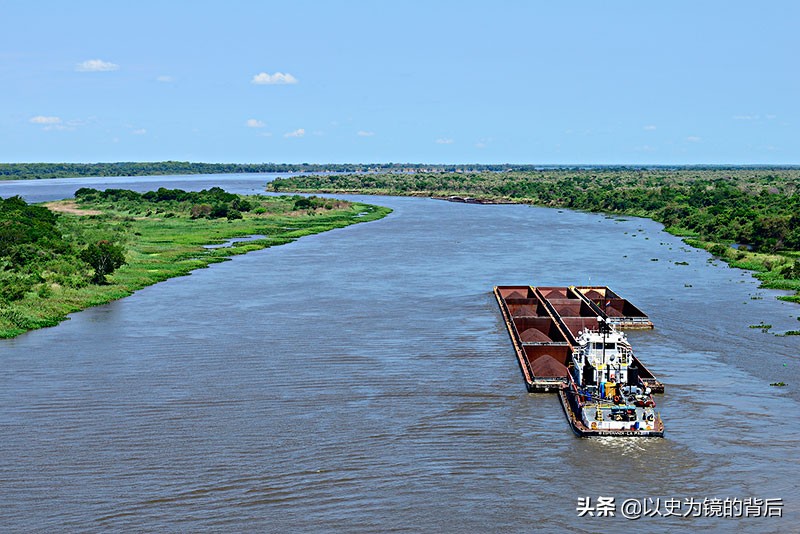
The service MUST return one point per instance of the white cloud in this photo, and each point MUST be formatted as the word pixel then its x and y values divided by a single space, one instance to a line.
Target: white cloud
pixel 41 119
pixel 139 131
pixel 53 123
pixel 649 127
pixel 364 133
pixel 300 132
pixel 96 65
pixel 254 123
pixel 693 139
pixel 444 141
pixel 279 78
pixel 165 79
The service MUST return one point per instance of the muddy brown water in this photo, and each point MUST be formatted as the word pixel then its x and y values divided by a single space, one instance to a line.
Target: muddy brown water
pixel 362 380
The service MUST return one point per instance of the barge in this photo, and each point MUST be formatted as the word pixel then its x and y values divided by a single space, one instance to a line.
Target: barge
pixel 567 340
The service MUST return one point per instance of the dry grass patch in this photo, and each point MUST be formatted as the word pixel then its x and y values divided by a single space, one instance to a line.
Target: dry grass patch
pixel 71 207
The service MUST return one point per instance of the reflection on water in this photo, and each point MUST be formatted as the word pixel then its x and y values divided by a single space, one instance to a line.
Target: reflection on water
pixel 362 380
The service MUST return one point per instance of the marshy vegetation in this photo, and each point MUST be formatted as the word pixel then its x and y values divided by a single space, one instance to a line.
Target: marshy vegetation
pixel 103 245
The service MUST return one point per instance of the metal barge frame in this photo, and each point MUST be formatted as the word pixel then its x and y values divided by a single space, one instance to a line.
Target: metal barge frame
pixel 543 323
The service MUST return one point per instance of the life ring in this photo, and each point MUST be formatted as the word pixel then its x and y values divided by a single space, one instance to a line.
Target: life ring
pixel 594 425
pixel 649 417
pixel 616 399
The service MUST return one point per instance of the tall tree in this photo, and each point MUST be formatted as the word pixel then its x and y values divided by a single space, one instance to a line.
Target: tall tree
pixel 105 257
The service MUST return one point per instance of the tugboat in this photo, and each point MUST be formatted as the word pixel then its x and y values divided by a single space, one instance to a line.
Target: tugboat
pixel 604 395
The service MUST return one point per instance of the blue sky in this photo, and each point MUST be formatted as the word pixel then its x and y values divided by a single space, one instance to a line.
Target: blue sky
pixel 439 82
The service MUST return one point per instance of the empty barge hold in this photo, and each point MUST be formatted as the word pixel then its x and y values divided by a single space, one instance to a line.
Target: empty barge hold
pixel 566 341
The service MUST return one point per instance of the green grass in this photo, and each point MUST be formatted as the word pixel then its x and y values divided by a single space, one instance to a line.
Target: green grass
pixel 159 248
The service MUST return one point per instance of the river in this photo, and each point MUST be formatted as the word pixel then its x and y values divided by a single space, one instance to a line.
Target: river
pixel 362 380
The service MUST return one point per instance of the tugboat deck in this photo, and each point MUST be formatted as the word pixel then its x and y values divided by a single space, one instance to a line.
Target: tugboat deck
pixel 583 431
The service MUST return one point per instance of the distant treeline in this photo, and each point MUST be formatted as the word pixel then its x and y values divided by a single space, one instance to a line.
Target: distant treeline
pixel 213 203
pixel 35 171
pixel 760 208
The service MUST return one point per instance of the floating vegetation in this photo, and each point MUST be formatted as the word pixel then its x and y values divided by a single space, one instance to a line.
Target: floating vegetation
pixel 778 384
pixel 681 263
pixel 688 285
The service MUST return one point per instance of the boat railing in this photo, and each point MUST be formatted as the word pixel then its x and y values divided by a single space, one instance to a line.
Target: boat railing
pixel 549 379
pixel 629 320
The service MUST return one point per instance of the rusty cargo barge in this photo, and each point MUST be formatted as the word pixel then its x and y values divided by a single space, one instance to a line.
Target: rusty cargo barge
pixel 555 331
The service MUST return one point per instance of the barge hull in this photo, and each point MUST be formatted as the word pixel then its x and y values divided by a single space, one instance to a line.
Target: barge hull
pixel 533 383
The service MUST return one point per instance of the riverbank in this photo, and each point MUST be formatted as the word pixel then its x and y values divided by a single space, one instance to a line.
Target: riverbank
pixel 161 240
pixel 713 209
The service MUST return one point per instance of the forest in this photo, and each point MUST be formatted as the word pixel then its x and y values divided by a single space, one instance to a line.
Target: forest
pixel 39 171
